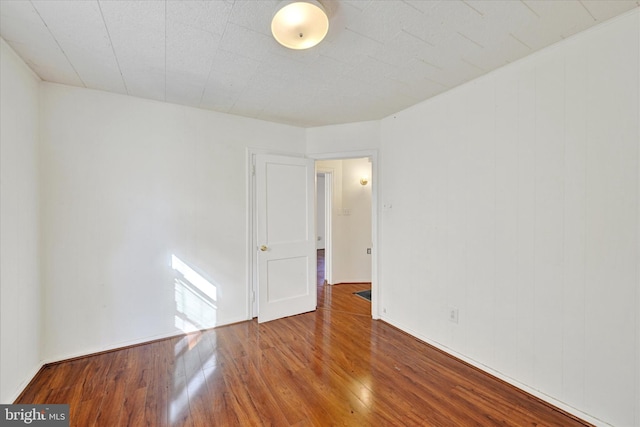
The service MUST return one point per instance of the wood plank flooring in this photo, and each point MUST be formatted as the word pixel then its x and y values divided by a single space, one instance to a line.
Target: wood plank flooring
pixel 334 366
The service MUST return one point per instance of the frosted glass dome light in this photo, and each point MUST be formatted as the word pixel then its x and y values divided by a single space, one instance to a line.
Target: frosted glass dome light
pixel 300 24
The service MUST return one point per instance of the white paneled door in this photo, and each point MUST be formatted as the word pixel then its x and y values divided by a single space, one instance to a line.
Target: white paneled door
pixel 285 236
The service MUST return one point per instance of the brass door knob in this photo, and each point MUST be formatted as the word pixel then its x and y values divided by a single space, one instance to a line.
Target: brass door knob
pixel 263 248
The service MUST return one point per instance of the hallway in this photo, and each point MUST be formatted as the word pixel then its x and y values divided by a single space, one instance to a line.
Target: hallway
pixel 344 301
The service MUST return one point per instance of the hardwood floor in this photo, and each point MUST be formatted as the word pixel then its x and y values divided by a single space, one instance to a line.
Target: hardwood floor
pixel 334 366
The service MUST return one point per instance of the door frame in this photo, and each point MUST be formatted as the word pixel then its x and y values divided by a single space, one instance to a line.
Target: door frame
pixel 328 219
pixel 252 244
pixel 373 156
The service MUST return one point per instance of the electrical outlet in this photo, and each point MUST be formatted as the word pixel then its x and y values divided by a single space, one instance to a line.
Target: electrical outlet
pixel 453 314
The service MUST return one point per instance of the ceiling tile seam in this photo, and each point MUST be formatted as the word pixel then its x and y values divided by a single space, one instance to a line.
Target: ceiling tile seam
pixel 584 6
pixel 104 22
pixel 530 8
pixel 353 5
pixel 247 87
pixel 437 67
pixel 380 61
pixel 58 44
pixel 344 72
pixel 520 41
pixel 436 82
pixel 466 61
pixel 473 8
pixel 363 35
pixel 412 6
pixel 417 38
pixel 213 62
pixel 470 39
pixel 324 55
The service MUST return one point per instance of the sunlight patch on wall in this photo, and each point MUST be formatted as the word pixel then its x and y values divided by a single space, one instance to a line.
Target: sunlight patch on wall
pixel 195 298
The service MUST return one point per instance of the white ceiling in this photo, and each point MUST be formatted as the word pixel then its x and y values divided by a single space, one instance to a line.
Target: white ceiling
pixel 378 58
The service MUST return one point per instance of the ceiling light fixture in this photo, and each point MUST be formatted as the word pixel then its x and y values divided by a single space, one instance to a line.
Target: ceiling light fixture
pixel 300 24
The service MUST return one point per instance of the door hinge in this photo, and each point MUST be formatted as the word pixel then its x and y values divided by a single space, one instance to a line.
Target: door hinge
pixel 253 296
pixel 253 170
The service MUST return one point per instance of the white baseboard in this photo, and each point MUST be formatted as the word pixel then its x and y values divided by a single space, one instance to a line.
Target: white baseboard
pixel 124 344
pixel 25 383
pixel 544 397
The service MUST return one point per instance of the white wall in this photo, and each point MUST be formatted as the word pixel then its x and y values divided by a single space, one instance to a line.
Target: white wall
pixel 515 199
pixel 20 291
pixel 350 137
pixel 128 185
pixel 355 222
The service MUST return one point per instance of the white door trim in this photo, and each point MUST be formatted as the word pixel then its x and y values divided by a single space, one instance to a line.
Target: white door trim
pixel 328 219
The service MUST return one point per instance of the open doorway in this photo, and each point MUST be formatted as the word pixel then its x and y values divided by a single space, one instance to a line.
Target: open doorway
pixel 344 220
pixel 254 246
